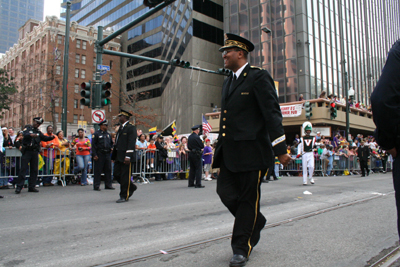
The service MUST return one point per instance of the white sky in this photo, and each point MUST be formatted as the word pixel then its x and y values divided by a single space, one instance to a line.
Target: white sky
pixel 52 8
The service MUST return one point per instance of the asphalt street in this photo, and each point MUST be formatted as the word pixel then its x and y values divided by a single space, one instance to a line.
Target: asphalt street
pixel 345 221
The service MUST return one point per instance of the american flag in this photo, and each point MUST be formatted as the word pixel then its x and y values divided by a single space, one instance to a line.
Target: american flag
pixel 206 126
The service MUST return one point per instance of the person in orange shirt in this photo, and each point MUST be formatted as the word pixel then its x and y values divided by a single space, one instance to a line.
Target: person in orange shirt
pixel 48 156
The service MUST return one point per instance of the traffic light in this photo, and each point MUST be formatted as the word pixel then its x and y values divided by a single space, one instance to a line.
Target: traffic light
pixel 308 109
pixel 333 110
pixel 105 93
pixel 180 63
pixel 85 93
pixel 225 72
pixel 152 3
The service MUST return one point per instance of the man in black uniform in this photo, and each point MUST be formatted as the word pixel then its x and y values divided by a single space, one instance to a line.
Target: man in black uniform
pixel 196 146
pixel 124 154
pixel 251 132
pixel 101 151
pixel 30 155
pixel 363 156
pixel 385 101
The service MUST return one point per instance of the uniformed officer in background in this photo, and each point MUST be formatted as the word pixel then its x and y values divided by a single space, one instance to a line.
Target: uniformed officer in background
pixel 250 133
pixel 124 154
pixel 195 146
pixel 30 155
pixel 101 153
pixel 385 100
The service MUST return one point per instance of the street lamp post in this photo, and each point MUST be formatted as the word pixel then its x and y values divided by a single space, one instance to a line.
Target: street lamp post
pixel 268 30
pixel 349 94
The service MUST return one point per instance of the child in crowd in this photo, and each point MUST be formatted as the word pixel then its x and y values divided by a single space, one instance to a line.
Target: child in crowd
pixel 207 158
pixel 150 153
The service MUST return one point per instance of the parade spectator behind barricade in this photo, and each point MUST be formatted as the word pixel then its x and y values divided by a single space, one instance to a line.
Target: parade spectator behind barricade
pixel 384 158
pixel 12 134
pixel 318 137
pixel 7 141
pixel 322 95
pixel 214 171
pixel 297 138
pixel 3 181
pixel 151 150
pixel 323 158
pixel 171 156
pixel 62 162
pixel 83 147
pixel 207 158
pixel 18 145
pixel 177 159
pixel 48 155
pixel 373 145
pixel 162 154
pixel 342 100
pixel 7 162
pixel 301 98
pixel 335 141
pixel 288 149
pixel 183 155
pixel 293 149
pixel 325 140
pixel 329 155
pixel 147 139
pixel 141 146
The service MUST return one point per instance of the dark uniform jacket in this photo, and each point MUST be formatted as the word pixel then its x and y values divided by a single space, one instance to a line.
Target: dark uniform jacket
pixel 101 143
pixel 125 143
pixel 162 152
pixel 195 145
pixel 385 100
pixel 363 153
pixel 33 143
pixel 251 128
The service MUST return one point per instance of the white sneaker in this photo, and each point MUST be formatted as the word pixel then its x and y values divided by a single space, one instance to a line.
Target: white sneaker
pixel 148 167
pixel 36 185
pixel 312 181
pixel 207 179
pixel 151 165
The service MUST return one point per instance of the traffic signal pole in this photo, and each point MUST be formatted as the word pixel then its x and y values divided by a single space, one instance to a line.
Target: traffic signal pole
pixel 65 72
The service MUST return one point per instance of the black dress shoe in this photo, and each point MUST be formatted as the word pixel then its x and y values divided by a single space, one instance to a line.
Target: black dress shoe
pixel 18 190
pixel 265 181
pixel 96 189
pixel 191 185
pixel 122 200
pixel 33 190
pixel 109 188
pixel 238 260
pixel 199 186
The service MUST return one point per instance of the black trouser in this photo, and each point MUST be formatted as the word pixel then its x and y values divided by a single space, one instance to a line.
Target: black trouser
pixel 195 169
pixel 384 163
pixel 396 184
pixel 240 192
pixel 103 164
pixel 122 173
pixel 28 158
pixel 364 166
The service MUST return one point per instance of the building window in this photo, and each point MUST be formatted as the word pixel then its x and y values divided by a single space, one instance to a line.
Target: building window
pixel 78 43
pixel 77 58
pixel 76 73
pixel 57 102
pixel 94 75
pixel 58 70
pixel 75 118
pixel 83 74
pixel 111 77
pixel 84 45
pixel 56 117
pixel 94 62
pixel 83 59
pixel 58 85
pixel 75 103
pixel 76 88
pixel 111 64
pixel 59 39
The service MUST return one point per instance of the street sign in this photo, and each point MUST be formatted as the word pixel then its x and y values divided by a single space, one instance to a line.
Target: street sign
pixel 98 115
pixel 103 67
pixel 102 72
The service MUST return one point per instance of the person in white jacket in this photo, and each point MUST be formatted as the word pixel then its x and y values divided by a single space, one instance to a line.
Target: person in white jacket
pixel 305 150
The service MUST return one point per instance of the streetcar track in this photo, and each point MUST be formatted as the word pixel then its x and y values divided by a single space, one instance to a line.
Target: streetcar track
pixel 270 225
pixel 388 259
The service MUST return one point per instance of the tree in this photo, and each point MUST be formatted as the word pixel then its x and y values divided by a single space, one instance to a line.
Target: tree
pixel 7 88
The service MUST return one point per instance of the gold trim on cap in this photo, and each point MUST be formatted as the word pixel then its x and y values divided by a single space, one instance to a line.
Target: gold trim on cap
pixel 237 44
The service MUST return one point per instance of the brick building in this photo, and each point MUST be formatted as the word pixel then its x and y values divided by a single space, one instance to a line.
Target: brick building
pixel 36 63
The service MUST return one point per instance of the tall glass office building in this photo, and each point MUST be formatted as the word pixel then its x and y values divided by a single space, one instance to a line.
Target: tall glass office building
pixel 187 30
pixel 310 40
pixel 13 15
pixel 75 7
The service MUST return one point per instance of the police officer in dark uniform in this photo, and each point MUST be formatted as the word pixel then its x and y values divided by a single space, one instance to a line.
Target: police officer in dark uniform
pixel 101 154
pixel 123 155
pixel 250 133
pixel 195 146
pixel 363 157
pixel 30 154
pixel 385 100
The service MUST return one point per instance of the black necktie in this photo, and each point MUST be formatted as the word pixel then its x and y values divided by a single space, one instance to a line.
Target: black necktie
pixel 232 84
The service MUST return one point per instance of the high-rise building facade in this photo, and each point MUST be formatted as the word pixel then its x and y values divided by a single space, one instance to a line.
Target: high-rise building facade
pixel 187 30
pixel 14 14
pixel 75 7
pixel 36 64
pixel 311 40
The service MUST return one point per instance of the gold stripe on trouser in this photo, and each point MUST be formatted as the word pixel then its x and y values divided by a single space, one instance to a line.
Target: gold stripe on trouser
pixel 129 177
pixel 256 211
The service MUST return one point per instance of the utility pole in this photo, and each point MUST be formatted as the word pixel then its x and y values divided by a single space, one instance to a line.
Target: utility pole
pixel 65 71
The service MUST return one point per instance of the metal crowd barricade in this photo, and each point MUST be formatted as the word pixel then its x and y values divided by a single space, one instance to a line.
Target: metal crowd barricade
pixel 151 162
